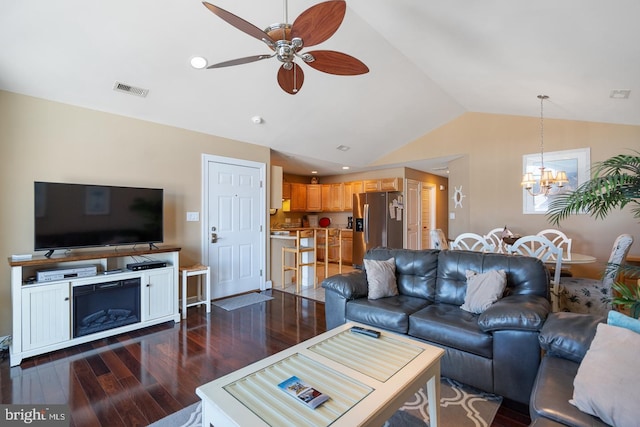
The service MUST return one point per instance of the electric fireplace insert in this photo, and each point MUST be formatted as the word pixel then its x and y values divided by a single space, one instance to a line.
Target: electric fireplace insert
pixel 104 306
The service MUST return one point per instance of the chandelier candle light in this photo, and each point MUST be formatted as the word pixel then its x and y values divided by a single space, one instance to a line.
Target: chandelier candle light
pixel 547 179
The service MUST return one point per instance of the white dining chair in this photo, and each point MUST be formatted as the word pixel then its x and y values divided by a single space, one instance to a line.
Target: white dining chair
pixel 559 239
pixel 472 242
pixel 495 238
pixel 438 240
pixel 594 296
pixel 542 248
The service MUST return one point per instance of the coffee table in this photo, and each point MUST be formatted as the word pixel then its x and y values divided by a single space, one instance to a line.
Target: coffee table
pixel 367 380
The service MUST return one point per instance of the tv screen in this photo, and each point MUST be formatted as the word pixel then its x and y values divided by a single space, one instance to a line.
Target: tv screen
pixel 78 215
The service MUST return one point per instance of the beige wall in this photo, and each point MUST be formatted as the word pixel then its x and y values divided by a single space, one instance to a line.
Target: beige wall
pixel 48 141
pixel 490 168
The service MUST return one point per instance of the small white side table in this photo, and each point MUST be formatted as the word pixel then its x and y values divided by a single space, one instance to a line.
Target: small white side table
pixel 204 291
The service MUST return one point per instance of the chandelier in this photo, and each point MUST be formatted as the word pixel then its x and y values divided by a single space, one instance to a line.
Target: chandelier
pixel 547 180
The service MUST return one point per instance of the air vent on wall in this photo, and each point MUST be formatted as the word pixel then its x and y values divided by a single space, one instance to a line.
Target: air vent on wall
pixel 123 87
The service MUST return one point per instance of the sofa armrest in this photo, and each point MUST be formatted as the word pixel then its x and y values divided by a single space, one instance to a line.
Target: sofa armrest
pixel 569 335
pixel 349 286
pixel 339 289
pixel 515 312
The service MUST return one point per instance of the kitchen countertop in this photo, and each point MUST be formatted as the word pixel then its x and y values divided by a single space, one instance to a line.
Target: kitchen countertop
pixel 289 233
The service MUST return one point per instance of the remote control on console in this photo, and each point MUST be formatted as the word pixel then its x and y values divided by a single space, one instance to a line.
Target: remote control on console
pixel 364 331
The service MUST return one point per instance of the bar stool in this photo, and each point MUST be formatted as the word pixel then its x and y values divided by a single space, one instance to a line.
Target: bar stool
pixel 204 281
pixel 303 256
pixel 329 244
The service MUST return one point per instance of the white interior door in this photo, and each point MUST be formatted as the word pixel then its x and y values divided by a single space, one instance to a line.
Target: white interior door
pixel 235 213
pixel 428 214
pixel 413 201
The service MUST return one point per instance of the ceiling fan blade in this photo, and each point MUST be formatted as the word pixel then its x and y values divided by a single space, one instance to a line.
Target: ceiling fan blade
pixel 239 61
pixel 291 80
pixel 331 62
pixel 319 22
pixel 240 23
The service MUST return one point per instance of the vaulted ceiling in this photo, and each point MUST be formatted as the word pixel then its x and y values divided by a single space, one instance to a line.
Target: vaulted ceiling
pixel 429 63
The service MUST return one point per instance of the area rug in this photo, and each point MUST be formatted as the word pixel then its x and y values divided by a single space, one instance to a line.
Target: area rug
pixel 240 301
pixel 460 406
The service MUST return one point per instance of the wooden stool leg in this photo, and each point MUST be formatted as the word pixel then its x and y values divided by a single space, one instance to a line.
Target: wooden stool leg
pixel 184 294
pixel 207 289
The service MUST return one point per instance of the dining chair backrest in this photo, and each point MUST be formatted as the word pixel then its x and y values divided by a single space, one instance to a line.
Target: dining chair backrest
pixel 494 237
pixel 542 248
pixel 472 242
pixel 618 255
pixel 559 239
pixel 438 240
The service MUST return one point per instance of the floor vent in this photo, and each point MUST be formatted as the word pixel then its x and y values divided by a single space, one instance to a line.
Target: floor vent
pixel 123 87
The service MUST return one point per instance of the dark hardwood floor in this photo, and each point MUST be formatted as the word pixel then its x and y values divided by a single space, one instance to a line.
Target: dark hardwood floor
pixel 137 378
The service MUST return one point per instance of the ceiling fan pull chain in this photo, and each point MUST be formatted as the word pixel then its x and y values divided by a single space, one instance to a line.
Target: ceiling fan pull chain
pixel 295 77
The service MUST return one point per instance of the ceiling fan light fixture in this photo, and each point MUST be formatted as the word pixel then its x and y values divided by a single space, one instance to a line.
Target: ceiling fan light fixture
pixel 312 27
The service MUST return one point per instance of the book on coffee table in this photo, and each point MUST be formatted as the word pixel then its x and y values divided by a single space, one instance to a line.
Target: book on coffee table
pixel 303 392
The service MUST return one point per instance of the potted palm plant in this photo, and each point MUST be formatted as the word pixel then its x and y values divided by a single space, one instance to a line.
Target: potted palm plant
pixel 614 185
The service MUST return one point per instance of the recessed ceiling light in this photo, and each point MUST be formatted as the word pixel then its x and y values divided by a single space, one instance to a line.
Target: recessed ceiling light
pixel 314 172
pixel 198 62
pixel 620 94
pixel 343 148
pixel 257 119
pixel 345 168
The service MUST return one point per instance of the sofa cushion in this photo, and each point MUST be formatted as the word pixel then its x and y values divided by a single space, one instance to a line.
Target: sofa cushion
pixel 451 326
pixel 381 278
pixel 551 393
pixel 416 270
pixel 525 275
pixel 483 289
pixel 569 335
pixel 390 313
pixel 606 381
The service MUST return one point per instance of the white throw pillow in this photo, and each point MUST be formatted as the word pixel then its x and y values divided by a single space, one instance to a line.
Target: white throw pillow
pixel 607 380
pixel 381 277
pixel 483 290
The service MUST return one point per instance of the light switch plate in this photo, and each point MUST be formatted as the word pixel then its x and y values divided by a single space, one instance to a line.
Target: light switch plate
pixel 193 216
pixel 452 215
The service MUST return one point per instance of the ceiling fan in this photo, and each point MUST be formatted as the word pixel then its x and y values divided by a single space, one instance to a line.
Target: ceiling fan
pixel 315 25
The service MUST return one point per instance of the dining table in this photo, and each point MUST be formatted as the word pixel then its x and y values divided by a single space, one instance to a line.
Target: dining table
pixel 575 259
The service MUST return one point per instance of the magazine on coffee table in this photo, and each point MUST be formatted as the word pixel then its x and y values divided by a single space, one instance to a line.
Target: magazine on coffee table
pixel 303 392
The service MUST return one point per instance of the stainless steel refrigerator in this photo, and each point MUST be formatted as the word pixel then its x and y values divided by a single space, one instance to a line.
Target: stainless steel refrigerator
pixel 378 222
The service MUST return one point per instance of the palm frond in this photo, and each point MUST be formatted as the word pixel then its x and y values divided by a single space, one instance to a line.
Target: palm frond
pixel 615 184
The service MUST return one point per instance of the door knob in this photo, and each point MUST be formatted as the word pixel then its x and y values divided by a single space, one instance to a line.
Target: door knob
pixel 214 238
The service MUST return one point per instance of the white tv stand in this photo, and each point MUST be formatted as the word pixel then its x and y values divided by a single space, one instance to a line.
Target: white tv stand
pixel 42 312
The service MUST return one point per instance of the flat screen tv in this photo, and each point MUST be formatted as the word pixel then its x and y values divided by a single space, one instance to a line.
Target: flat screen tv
pixel 70 216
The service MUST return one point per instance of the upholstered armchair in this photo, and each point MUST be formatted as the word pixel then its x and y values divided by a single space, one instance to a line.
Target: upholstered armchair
pixel 593 296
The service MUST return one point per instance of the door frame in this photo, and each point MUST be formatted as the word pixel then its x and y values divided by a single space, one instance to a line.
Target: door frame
pixel 204 233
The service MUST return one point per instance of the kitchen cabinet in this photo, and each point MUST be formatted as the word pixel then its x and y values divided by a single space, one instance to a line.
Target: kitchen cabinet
pixel 332 197
pixel 350 188
pixel 347 246
pixel 391 184
pixel 314 198
pixel 371 185
pixel 298 197
pixel 286 190
pixel 384 184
